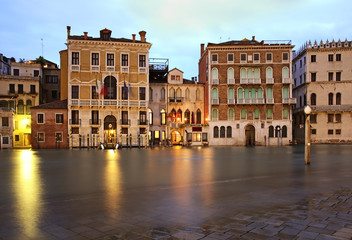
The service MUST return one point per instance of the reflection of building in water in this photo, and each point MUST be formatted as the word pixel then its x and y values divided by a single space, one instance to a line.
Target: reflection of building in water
pixel 105 80
pixel 176 107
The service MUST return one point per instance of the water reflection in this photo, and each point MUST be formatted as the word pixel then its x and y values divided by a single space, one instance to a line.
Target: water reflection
pixel 28 192
pixel 207 176
pixel 113 182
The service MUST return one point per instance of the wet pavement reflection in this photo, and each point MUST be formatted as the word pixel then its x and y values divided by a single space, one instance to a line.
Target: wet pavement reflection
pixel 46 192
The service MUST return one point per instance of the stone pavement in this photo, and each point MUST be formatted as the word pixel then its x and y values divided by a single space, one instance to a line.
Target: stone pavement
pixel 326 216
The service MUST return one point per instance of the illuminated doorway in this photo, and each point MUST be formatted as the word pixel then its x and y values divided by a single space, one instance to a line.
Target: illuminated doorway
pixel 176 137
pixel 250 135
pixel 110 137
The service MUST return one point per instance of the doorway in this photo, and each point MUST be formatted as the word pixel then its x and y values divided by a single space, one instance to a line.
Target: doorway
pixel 176 137
pixel 110 137
pixel 250 135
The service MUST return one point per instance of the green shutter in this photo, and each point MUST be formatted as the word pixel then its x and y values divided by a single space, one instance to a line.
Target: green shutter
pixel 230 93
pixel 214 73
pixel 256 73
pixel 260 93
pixel 285 72
pixel 230 74
pixel 230 113
pixel 256 113
pixel 240 93
pixel 269 72
pixel 243 114
pixel 215 113
pixel 269 93
pixel 269 113
pixel 215 93
pixel 246 93
pixel 253 93
pixel 285 92
pixel 285 113
pixel 243 73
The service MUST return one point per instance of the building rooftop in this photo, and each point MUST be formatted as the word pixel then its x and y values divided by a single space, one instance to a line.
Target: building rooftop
pixel 252 42
pixel 60 104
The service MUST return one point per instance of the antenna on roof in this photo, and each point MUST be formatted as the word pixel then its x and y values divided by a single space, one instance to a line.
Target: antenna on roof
pixel 42 48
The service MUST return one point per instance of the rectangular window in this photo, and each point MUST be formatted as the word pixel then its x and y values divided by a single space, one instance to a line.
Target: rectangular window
pixel 16 72
pixel 95 117
pixel 313 77
pixel 141 93
pixel 124 93
pixel 142 61
pixel 54 94
pixel 285 57
pixel 75 130
pixel 330 118
pixel 300 63
pixel 243 57
pixel 214 58
pixel 269 57
pixel 58 136
pixel 313 118
pixel 95 59
pixel 331 76
pixel 338 131
pixel 75 58
pixel 143 118
pixel 338 76
pixel 338 117
pixel 75 92
pixel 110 61
pixel 313 58
pixel 41 137
pixel 17 138
pixel 75 117
pixel 59 118
pixel 32 89
pixel 51 79
pixel 142 131
pixel 124 117
pixel 35 73
pixel 40 118
pixel 124 60
pixel 256 57
pixel 95 95
pixel 331 57
pixel 313 131
pixel 5 121
pixel 5 140
pixel 230 57
pixel 124 130
pixel 20 88
pixel 304 61
pixel 330 131
pixel 338 57
pixel 11 88
pixel 95 130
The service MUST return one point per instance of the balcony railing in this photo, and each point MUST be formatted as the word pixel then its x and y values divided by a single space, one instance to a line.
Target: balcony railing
pixel 258 101
pixel 215 81
pixel 75 68
pixel 250 81
pixel 215 101
pixel 289 100
pixel 94 121
pixel 287 80
pixel 250 101
pixel 231 101
pixel 108 102
pixel 75 121
pixel 110 69
pixel 5 127
pixel 95 68
pixel 175 99
pixel 270 81
pixel 270 101
pixel 125 122
pixel 231 81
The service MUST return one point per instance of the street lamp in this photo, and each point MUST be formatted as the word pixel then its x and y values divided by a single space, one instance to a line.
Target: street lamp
pixel 307 111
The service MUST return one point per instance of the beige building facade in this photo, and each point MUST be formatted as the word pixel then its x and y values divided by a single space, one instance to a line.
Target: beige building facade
pixel 105 80
pixel 248 92
pixel 323 80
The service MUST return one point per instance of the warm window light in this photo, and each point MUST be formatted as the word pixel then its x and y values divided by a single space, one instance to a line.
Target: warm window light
pixel 25 121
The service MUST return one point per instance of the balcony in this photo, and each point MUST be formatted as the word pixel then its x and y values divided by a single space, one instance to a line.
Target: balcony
pixel 287 80
pixel 108 102
pixel 95 68
pixel 231 101
pixel 94 121
pixel 75 68
pixel 231 81
pixel 270 101
pixel 258 101
pixel 250 81
pixel 215 81
pixel 110 69
pixel 5 128
pixel 270 81
pixel 250 101
pixel 125 69
pixel 32 93
pixel 125 122
pixel 175 99
pixel 175 125
pixel 142 70
pixel 289 100
pixel 142 122
pixel 75 121
pixel 215 101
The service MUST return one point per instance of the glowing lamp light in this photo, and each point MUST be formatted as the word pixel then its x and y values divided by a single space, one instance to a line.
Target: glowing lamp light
pixel 307 110
pixel 25 121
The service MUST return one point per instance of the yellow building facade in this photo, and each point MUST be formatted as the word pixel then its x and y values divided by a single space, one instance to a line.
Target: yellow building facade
pixel 105 80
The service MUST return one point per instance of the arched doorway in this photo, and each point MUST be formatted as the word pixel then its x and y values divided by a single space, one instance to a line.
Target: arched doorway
pixel 110 137
pixel 250 135
pixel 176 137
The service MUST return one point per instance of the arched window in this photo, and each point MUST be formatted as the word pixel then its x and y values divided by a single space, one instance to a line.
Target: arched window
pixel 199 117
pixel 230 74
pixel 243 113
pixel 331 98
pixel 187 117
pixel 229 132
pixel 178 93
pixel 256 73
pixel 3 104
pixel 269 72
pixel 271 131
pixel 214 73
pixel 150 94
pixel 20 107
pixel 222 132
pixel 284 131
pixel 173 115
pixel 338 98
pixel 240 93
pixel 260 93
pixel 313 99
pixel 162 93
pixel 28 107
pixel 187 94
pixel 246 93
pixel 269 93
pixel 216 132
pixel 162 117
pixel 150 113
pixel 172 93
pixel 285 92
pixel 215 114
pixel 215 93
pixel 256 113
pixel 285 73
pixel 269 113
pixel 231 114
pixel 285 113
pixel 198 94
pixel 243 73
pixel 253 93
pixel 250 73
pixel 179 116
pixel 110 84
pixel 230 93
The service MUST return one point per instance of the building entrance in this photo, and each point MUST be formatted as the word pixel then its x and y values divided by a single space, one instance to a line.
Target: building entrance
pixel 110 137
pixel 176 137
pixel 250 135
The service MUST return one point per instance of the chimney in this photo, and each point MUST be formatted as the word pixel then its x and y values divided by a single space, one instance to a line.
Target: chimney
pixel 134 37
pixel 85 35
pixel 68 31
pixel 142 34
pixel 201 49
pixel 253 38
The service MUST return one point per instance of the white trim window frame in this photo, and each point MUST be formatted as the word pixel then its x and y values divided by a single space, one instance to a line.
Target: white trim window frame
pixel 43 136
pixel 212 58
pixel 271 57
pixel 56 118
pixel 43 120
pixel 75 59
pixel 62 136
pixel 142 63
pixel 254 56
pixel 125 62
pixel 94 63
pixel 110 67
pixel 233 58
pixel 243 60
pixel 288 57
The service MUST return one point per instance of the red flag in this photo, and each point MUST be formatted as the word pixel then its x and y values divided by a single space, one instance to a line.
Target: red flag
pixel 104 90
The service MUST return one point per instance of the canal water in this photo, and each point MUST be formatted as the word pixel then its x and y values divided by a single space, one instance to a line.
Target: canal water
pixel 160 186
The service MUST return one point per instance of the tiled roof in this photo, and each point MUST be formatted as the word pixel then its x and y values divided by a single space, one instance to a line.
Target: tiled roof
pixel 60 104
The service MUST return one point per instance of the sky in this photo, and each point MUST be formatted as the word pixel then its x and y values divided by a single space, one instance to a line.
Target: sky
pixel 176 28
